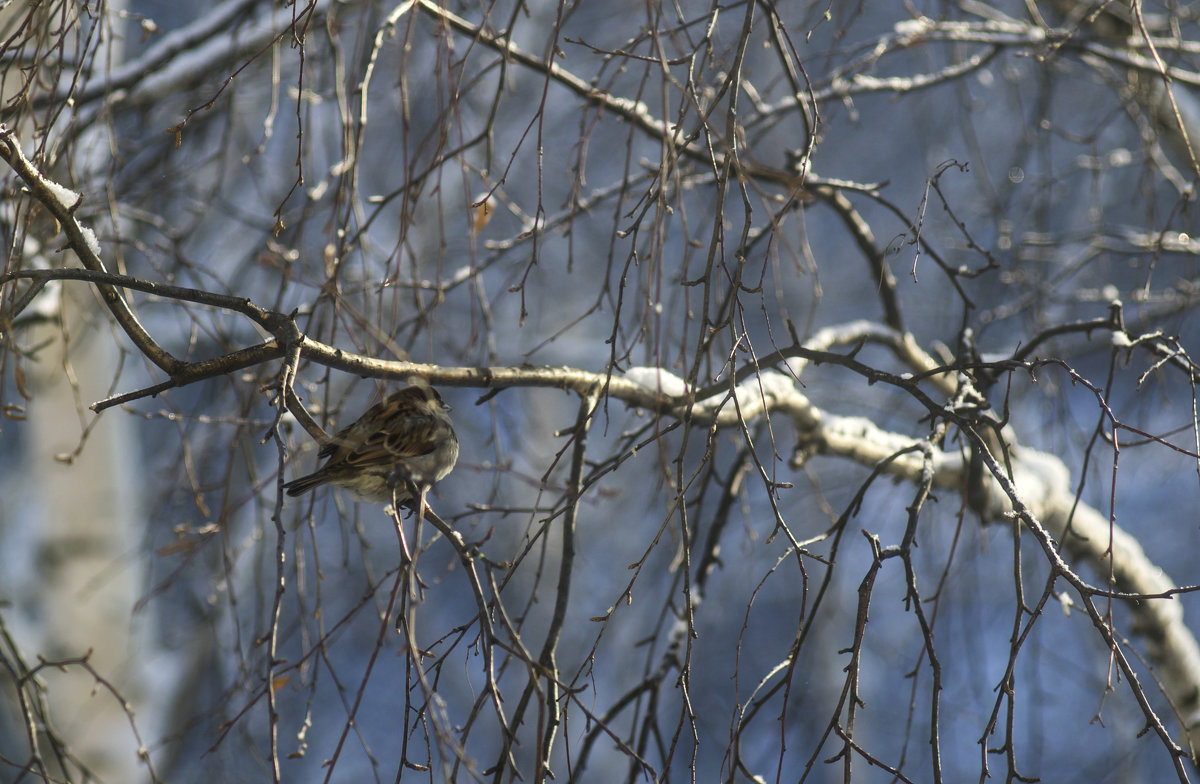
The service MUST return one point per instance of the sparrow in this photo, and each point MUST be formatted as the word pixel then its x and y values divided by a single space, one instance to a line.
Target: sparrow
pixel 406 440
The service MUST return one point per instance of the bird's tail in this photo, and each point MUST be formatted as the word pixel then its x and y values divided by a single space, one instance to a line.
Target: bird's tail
pixel 303 484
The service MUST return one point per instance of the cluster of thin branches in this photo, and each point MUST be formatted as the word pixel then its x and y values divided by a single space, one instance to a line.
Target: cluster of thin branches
pixel 669 573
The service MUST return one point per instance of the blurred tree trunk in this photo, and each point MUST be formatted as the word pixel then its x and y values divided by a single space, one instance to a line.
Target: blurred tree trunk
pixel 72 537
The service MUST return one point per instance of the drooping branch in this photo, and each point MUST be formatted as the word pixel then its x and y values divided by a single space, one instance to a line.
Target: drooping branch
pixel 62 202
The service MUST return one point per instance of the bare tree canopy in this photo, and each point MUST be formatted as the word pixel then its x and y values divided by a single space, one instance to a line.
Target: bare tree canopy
pixel 819 377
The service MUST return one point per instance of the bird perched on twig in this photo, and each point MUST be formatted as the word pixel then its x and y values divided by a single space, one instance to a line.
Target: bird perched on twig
pixel 405 441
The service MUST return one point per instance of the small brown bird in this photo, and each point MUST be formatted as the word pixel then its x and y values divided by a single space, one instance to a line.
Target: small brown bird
pixel 406 438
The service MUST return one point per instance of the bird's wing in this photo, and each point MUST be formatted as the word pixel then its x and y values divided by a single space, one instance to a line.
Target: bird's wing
pixel 401 438
pixel 395 428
